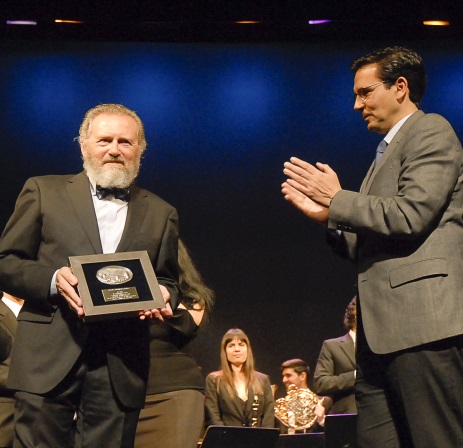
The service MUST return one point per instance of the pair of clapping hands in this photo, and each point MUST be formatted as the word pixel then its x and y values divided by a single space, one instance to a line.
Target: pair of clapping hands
pixel 310 188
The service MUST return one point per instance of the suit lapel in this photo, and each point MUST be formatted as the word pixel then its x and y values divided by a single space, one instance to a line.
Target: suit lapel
pixel 135 216
pixel 79 195
pixel 392 147
pixel 348 347
pixel 367 178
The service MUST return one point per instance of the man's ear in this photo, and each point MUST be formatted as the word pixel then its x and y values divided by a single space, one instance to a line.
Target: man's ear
pixel 402 88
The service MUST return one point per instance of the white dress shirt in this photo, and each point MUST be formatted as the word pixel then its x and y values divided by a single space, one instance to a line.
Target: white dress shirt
pixel 111 214
pixel 12 305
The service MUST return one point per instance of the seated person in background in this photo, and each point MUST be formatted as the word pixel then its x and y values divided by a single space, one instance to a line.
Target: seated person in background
pixel 173 416
pixel 9 310
pixel 335 370
pixel 238 395
pixel 295 372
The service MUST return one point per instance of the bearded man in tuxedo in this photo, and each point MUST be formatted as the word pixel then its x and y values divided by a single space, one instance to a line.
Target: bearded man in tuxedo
pixel 60 365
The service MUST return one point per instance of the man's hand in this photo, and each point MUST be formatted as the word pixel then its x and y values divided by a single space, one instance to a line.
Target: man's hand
pixel 320 183
pixel 65 283
pixel 159 313
pixel 320 413
pixel 306 205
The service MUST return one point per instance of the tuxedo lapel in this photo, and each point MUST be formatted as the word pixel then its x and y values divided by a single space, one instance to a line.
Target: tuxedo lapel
pixel 78 188
pixel 79 194
pixel 9 319
pixel 135 216
pixel 392 147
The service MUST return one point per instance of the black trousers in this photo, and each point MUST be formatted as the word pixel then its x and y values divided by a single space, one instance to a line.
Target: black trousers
pixel 412 398
pixel 82 411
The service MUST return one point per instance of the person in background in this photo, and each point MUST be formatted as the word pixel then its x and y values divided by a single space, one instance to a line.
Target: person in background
pixel 173 416
pixel 296 371
pixel 9 310
pixel 404 232
pixel 335 371
pixel 238 395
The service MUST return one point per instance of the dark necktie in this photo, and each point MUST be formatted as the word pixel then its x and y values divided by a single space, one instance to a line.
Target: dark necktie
pixel 380 151
pixel 118 193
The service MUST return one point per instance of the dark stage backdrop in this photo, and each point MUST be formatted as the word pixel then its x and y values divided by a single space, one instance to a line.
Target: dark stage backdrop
pixel 221 119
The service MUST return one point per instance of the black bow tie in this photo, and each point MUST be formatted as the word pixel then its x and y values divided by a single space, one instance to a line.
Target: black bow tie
pixel 118 193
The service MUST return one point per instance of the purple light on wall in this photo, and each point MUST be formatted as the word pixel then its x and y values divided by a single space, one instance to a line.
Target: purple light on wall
pixel 21 22
pixel 319 22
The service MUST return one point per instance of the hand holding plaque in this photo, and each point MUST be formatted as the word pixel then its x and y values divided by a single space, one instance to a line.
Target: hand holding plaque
pixel 159 313
pixel 66 283
pixel 114 286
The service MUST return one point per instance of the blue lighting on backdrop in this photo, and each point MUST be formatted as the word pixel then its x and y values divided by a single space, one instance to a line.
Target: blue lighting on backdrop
pixel 206 106
pixel 205 98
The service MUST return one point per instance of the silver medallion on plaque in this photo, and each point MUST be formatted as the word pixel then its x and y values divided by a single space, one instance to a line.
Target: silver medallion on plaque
pixel 114 275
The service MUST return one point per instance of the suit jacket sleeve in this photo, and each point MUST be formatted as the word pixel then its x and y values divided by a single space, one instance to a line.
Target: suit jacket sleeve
pixel 213 414
pixel 410 205
pixel 23 274
pixel 326 382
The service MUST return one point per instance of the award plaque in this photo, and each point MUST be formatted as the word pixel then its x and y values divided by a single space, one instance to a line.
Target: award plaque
pixel 115 286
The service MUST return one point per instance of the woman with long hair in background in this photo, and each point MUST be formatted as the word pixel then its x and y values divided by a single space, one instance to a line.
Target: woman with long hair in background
pixel 238 395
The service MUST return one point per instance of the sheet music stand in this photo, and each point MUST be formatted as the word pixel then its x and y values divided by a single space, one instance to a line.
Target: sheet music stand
pixel 340 430
pixel 240 436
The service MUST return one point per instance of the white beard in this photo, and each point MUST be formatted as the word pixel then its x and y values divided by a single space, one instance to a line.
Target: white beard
pixel 120 176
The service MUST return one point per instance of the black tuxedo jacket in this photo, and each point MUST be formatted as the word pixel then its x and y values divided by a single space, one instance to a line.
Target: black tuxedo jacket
pixel 54 218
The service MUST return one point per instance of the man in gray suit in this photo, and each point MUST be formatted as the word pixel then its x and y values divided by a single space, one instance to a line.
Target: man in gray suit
pixel 61 365
pixel 404 230
pixel 335 370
